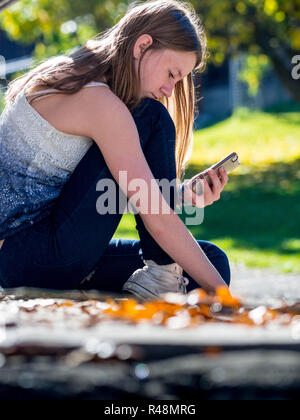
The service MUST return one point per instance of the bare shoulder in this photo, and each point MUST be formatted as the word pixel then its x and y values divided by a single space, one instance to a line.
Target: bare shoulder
pixel 81 112
pixel 100 107
pixel 96 95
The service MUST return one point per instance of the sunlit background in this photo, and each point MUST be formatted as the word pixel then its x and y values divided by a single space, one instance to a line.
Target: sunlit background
pixel 249 103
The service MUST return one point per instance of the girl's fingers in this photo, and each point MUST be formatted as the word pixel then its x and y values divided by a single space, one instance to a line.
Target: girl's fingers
pixel 219 181
pixel 217 185
pixel 224 176
pixel 215 179
pixel 211 193
pixel 191 198
pixel 208 194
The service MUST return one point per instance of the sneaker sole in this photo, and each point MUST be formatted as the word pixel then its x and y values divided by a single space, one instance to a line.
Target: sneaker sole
pixel 137 291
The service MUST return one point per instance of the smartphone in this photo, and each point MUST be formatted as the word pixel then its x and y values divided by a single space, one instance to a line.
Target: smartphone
pixel 229 163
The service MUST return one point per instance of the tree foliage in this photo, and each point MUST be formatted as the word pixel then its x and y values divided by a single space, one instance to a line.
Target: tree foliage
pixel 269 30
pixel 57 26
pixel 265 29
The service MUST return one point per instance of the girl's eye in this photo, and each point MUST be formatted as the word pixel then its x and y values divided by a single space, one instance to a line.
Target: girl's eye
pixel 170 74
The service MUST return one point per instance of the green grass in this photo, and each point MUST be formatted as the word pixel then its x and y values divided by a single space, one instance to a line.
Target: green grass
pixel 256 221
pixel 259 138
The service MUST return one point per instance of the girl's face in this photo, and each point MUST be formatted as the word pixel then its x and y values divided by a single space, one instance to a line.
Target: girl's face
pixel 162 69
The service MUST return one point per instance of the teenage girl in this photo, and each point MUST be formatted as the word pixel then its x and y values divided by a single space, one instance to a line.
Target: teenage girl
pixel 122 102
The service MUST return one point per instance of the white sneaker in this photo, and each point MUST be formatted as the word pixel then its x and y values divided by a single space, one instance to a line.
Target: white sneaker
pixel 153 280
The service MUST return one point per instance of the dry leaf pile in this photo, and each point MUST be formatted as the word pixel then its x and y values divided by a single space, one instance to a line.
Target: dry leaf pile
pixel 174 312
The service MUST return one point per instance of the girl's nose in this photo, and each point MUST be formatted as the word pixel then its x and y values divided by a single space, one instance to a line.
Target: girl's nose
pixel 167 91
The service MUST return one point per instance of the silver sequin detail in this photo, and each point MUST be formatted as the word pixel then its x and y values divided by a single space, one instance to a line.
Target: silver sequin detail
pixel 36 160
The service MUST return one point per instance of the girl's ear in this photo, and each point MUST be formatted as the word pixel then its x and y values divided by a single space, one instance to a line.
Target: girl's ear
pixel 141 44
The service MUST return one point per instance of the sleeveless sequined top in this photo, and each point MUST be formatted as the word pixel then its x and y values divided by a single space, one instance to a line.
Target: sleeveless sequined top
pixel 36 160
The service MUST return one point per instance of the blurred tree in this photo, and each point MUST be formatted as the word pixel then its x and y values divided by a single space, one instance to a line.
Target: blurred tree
pixel 268 30
pixel 57 26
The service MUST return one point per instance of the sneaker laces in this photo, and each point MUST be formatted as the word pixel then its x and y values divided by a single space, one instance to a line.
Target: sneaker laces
pixel 167 274
pixel 183 282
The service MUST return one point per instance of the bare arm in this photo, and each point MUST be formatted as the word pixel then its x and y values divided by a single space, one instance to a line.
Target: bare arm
pixel 112 127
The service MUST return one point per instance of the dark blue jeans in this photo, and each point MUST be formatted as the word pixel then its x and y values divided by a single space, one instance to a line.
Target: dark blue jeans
pixel 75 240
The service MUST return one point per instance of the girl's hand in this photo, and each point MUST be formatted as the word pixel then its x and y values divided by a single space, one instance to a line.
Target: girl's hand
pixel 211 194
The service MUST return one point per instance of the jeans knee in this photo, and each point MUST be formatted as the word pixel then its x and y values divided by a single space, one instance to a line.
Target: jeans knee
pixel 226 273
pixel 218 258
pixel 163 118
pixel 154 113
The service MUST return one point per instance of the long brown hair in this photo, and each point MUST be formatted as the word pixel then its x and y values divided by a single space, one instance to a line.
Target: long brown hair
pixel 172 24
